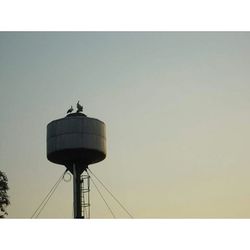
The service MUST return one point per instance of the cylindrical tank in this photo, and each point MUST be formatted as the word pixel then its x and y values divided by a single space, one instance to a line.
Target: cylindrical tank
pixel 76 139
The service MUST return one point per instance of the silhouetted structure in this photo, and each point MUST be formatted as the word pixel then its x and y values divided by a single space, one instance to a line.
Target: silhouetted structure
pixel 76 141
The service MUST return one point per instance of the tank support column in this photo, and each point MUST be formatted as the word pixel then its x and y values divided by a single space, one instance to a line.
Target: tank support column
pixel 77 193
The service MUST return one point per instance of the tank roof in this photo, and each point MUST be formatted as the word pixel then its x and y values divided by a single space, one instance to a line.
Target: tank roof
pixel 76 115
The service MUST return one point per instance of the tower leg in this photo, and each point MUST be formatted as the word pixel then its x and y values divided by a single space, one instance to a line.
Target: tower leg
pixel 77 193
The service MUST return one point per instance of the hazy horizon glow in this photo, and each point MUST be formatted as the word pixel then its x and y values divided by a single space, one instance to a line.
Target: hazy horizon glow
pixel 176 106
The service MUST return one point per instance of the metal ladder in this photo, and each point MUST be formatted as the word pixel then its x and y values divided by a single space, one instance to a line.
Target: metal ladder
pixel 85 197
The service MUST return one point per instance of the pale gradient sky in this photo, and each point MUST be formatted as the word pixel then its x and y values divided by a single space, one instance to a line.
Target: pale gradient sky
pixel 176 106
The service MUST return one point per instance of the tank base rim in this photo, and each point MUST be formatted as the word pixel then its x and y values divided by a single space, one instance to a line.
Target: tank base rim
pixel 79 156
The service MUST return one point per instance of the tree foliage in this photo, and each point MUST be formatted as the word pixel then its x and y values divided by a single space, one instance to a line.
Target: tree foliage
pixel 4 198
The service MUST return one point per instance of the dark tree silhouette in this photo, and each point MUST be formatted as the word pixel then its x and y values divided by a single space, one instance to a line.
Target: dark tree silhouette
pixel 4 198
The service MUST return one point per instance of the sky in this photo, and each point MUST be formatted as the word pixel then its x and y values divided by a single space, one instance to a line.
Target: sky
pixel 176 108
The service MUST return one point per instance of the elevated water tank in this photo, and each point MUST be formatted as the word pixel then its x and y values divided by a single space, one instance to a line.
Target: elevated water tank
pixel 76 139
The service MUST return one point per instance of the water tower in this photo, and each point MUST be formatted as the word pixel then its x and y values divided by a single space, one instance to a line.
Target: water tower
pixel 76 141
